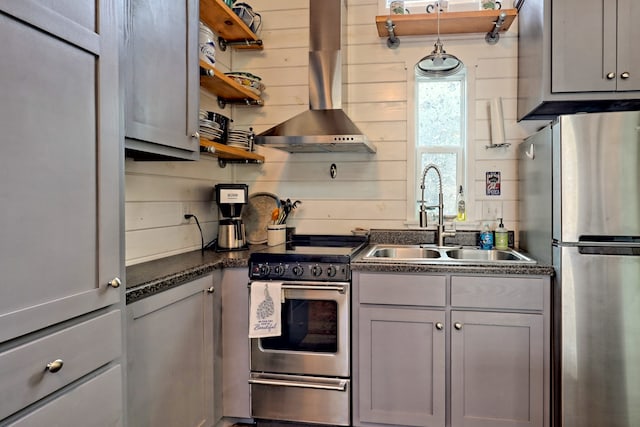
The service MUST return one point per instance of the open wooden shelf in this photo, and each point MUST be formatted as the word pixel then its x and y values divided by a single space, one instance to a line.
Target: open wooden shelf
pixel 226 152
pixel 480 21
pixel 227 25
pixel 226 89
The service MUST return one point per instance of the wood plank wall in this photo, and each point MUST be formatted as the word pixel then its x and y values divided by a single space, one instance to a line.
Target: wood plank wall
pixel 370 191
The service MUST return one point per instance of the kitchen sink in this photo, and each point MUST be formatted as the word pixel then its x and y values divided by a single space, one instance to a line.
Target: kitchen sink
pixel 428 254
pixel 404 252
pixel 486 255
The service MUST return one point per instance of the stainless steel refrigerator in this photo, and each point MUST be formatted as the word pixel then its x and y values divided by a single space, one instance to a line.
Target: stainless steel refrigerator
pixel 580 210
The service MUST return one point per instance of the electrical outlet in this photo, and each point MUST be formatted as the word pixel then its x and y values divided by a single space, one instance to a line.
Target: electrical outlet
pixel 491 210
pixel 186 209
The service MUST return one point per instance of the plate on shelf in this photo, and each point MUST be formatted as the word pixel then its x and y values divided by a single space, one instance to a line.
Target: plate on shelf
pixel 256 215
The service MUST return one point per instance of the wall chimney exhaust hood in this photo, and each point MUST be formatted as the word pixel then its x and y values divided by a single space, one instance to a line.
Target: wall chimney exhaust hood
pixel 324 127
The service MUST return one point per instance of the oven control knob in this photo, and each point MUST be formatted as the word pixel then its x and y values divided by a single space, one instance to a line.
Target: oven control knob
pixel 316 270
pixel 332 271
pixel 297 270
pixel 278 270
pixel 264 270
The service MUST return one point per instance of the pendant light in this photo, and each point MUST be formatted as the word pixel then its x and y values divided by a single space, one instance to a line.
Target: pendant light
pixel 438 63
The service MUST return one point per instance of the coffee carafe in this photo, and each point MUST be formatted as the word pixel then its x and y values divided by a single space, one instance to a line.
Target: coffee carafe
pixel 231 198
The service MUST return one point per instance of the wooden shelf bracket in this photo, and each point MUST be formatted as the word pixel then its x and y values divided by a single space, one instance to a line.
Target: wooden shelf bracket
pixel 493 36
pixel 223 43
pixel 392 42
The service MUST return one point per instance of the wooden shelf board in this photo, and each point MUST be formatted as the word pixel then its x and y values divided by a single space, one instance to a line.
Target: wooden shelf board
pixel 226 24
pixel 225 87
pixel 231 153
pixel 481 21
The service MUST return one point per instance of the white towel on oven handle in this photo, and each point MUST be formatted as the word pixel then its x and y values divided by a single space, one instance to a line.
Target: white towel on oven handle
pixel 264 309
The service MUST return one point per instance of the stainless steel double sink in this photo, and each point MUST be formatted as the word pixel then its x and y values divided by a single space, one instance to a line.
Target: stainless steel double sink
pixel 428 254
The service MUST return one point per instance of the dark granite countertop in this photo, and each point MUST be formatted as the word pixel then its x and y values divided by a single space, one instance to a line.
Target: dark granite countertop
pixel 148 278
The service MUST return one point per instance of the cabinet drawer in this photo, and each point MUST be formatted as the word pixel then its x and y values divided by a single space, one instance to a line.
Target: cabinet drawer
pixel 402 289
pixel 82 348
pixel 95 403
pixel 498 292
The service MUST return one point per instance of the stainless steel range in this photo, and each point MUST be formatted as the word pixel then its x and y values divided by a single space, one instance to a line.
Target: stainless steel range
pixel 304 375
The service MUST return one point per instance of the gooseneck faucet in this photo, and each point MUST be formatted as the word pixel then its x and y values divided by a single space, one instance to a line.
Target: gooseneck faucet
pixel 440 233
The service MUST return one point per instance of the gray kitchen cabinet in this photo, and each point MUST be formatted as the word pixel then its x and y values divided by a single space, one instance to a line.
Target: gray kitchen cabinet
pixel 402 366
pixel 170 355
pixel 497 369
pixel 455 350
pixel 94 403
pixel 499 357
pixel 399 341
pixel 160 78
pixel 235 343
pixel 577 56
pixel 60 243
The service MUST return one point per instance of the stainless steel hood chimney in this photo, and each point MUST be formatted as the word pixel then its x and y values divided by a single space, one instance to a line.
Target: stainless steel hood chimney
pixel 324 127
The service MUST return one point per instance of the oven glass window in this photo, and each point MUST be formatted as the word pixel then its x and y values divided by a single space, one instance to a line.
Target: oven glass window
pixel 307 325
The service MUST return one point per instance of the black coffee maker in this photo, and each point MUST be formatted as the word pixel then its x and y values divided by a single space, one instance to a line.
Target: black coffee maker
pixel 231 198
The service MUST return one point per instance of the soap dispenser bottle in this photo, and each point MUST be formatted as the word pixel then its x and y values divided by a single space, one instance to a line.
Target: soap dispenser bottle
pixel 502 236
pixel 486 238
pixel 462 208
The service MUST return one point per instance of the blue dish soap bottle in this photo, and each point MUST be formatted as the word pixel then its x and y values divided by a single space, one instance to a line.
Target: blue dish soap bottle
pixel 486 238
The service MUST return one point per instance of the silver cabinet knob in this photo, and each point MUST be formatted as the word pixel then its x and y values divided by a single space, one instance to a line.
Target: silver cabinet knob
pixel 195 135
pixel 211 290
pixel 115 283
pixel 611 76
pixel 439 326
pixel 625 75
pixel 457 325
pixel 54 366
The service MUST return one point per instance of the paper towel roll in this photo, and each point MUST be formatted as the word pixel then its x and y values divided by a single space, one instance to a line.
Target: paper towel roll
pixel 497 121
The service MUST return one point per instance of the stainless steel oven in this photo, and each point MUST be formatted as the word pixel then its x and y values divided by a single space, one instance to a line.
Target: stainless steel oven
pixel 304 375
pixel 315 332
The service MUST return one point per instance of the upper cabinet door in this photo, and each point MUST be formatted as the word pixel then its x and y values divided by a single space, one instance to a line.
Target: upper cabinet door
pixel 161 77
pixel 60 162
pixel 629 34
pixel 594 46
pixel 584 45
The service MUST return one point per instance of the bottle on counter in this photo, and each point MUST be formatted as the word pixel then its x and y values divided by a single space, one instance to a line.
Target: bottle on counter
pixel 486 238
pixel 462 208
pixel 502 236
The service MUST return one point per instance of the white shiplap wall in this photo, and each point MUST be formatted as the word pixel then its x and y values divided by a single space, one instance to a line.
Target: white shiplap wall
pixel 370 190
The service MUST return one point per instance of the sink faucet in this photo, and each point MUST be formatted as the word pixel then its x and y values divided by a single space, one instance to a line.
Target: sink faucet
pixel 440 232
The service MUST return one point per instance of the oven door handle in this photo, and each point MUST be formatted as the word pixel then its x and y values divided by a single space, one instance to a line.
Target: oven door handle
pixel 340 385
pixel 333 288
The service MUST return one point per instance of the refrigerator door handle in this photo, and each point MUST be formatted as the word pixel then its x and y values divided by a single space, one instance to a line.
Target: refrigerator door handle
pixel 531 152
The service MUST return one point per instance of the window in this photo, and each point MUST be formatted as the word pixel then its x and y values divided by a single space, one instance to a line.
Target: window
pixel 441 137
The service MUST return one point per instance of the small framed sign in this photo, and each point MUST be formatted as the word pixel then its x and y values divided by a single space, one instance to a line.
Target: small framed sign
pixel 493 184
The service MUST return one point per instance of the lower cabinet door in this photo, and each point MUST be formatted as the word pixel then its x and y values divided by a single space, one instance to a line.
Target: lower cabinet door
pixel 497 369
pixel 402 366
pixel 95 403
pixel 170 363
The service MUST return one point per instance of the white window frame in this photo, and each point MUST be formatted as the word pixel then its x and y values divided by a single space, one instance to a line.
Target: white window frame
pixel 460 151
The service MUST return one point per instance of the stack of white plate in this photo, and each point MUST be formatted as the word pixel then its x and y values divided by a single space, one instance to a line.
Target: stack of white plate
pixel 240 139
pixel 210 130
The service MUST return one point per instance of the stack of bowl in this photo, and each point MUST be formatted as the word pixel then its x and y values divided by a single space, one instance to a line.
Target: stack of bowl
pixel 248 80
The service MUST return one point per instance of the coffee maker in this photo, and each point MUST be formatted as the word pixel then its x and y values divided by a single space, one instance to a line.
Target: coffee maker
pixel 231 198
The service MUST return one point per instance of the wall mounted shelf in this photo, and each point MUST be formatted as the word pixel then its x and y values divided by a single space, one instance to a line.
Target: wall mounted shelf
pixel 228 26
pixel 480 21
pixel 226 89
pixel 227 154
